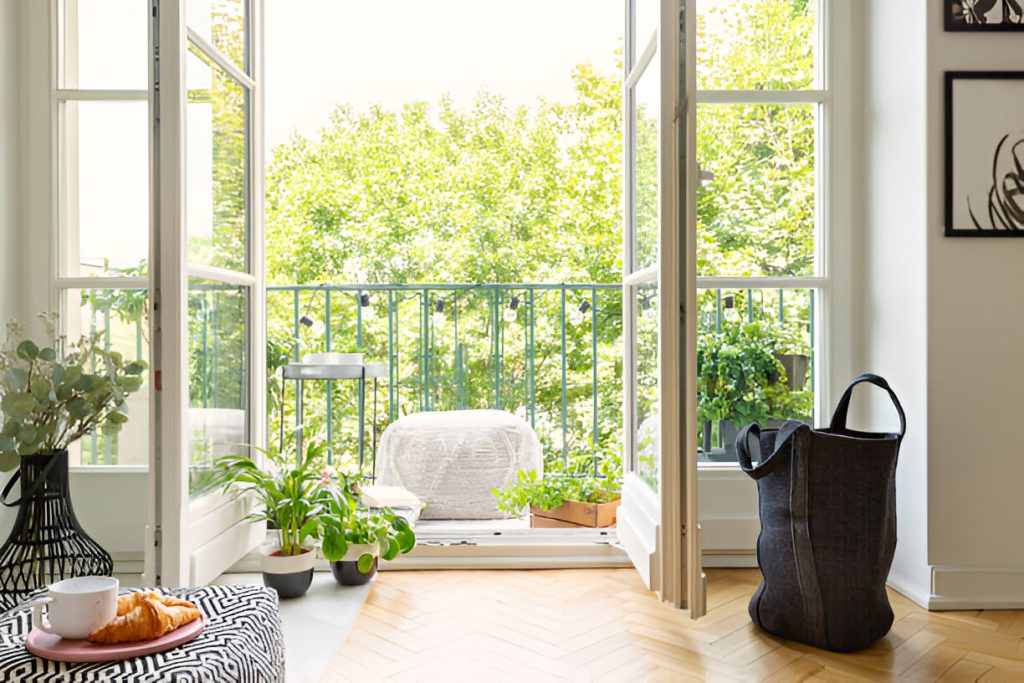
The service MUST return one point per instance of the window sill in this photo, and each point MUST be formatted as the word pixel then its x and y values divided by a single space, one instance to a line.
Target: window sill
pixel 109 469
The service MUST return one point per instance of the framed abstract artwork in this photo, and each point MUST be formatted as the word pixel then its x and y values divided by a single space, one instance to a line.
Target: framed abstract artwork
pixel 984 15
pixel 984 153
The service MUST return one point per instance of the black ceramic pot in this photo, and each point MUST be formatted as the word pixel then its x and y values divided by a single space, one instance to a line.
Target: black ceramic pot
pixel 346 570
pixel 289 575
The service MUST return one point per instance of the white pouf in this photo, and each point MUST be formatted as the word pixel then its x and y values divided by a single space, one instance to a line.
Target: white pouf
pixel 452 460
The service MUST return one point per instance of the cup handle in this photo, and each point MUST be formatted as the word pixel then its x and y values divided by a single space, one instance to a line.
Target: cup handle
pixel 39 619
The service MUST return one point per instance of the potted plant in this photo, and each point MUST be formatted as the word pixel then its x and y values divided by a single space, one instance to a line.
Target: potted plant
pixel 561 500
pixel 292 497
pixel 354 540
pixel 740 380
pixel 49 399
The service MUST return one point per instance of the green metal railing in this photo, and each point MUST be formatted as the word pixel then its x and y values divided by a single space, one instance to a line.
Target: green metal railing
pixel 507 318
pixel 549 351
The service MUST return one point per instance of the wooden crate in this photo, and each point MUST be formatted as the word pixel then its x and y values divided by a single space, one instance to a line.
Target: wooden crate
pixel 573 513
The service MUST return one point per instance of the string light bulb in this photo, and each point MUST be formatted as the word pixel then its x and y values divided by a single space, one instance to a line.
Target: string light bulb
pixel 511 314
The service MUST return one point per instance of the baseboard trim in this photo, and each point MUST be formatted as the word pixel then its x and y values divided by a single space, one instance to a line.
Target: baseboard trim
pixel 965 588
pixel 909 590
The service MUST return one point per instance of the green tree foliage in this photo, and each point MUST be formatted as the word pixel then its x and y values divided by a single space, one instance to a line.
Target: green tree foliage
pixel 490 193
pixel 493 193
pixel 757 216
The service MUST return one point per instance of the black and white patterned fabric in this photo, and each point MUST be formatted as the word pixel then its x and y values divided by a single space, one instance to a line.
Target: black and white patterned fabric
pixel 242 643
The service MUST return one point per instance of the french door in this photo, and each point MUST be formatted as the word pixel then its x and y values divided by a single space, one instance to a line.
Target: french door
pixel 209 313
pixel 657 522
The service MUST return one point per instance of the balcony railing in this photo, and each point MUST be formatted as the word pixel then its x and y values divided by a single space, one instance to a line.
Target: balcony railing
pixel 549 352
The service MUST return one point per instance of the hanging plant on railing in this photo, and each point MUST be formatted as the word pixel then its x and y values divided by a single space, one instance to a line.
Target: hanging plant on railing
pixel 740 378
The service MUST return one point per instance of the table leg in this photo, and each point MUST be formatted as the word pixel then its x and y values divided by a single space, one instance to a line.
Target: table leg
pixel 373 455
pixel 362 417
pixel 300 428
pixel 280 407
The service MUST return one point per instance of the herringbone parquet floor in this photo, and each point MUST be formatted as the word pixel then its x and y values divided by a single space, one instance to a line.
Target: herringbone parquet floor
pixel 596 624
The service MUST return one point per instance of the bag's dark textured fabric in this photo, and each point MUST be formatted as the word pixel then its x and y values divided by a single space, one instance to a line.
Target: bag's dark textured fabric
pixel 828 527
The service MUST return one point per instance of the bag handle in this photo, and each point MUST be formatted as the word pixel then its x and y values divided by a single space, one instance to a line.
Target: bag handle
pixel 843 407
pixel 36 485
pixel 743 451
pixel 764 465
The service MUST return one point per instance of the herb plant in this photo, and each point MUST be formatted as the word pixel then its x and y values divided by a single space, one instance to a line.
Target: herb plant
pixel 552 490
pixel 50 399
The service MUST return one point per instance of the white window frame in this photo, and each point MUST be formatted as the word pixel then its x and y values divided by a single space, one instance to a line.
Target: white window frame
pixel 727 498
pixel 60 246
pixel 830 281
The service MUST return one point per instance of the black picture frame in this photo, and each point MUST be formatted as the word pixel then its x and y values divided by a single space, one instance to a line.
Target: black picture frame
pixel 955 19
pixel 991 141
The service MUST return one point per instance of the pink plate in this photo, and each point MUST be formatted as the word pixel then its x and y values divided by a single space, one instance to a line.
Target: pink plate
pixel 50 646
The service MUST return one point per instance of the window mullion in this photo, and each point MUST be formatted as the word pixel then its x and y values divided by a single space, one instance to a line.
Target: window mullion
pixel 64 283
pixel 75 95
pixel 761 96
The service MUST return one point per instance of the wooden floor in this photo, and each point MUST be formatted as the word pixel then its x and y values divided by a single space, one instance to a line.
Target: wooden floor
pixel 583 625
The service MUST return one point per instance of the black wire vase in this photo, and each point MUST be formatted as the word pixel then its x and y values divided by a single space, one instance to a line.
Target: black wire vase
pixel 47 543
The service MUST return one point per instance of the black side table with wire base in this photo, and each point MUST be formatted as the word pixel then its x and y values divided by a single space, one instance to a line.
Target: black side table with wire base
pixel 301 372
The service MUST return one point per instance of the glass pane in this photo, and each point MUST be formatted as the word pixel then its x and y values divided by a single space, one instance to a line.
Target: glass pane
pixel 218 399
pixel 105 44
pixel 223 24
pixel 646 22
pixel 648 428
pixel 122 315
pixel 755 363
pixel 756 218
pixel 755 44
pixel 648 104
pixel 217 167
pixel 104 149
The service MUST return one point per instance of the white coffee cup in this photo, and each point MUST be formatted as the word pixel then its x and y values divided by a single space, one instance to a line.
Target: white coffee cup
pixel 76 607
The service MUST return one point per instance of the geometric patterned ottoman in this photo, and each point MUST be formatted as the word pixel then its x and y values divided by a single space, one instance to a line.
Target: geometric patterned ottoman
pixel 242 643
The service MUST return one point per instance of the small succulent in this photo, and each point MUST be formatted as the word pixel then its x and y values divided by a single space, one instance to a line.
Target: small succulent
pixel 54 394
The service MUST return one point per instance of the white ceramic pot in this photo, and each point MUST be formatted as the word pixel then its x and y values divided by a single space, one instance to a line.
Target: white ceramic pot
pixel 357 550
pixel 289 575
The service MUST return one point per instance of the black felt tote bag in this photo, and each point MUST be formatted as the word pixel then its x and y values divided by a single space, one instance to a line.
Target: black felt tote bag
pixel 828 527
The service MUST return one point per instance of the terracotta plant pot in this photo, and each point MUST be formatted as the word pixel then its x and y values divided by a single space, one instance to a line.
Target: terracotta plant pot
pixel 289 575
pixel 346 570
pixel 575 514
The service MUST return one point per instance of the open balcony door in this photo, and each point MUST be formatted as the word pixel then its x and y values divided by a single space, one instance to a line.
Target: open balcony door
pixel 657 522
pixel 209 305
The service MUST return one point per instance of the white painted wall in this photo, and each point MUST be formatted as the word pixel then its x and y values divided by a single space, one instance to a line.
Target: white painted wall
pixel 943 319
pixel 975 376
pixel 10 150
pixel 10 185
pixel 891 273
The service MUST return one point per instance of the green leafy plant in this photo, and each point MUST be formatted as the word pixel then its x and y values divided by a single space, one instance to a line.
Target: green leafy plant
pixel 50 399
pixel 740 379
pixel 550 491
pixel 344 525
pixel 293 495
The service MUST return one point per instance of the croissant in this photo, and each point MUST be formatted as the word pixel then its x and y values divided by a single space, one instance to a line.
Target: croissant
pixel 144 616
